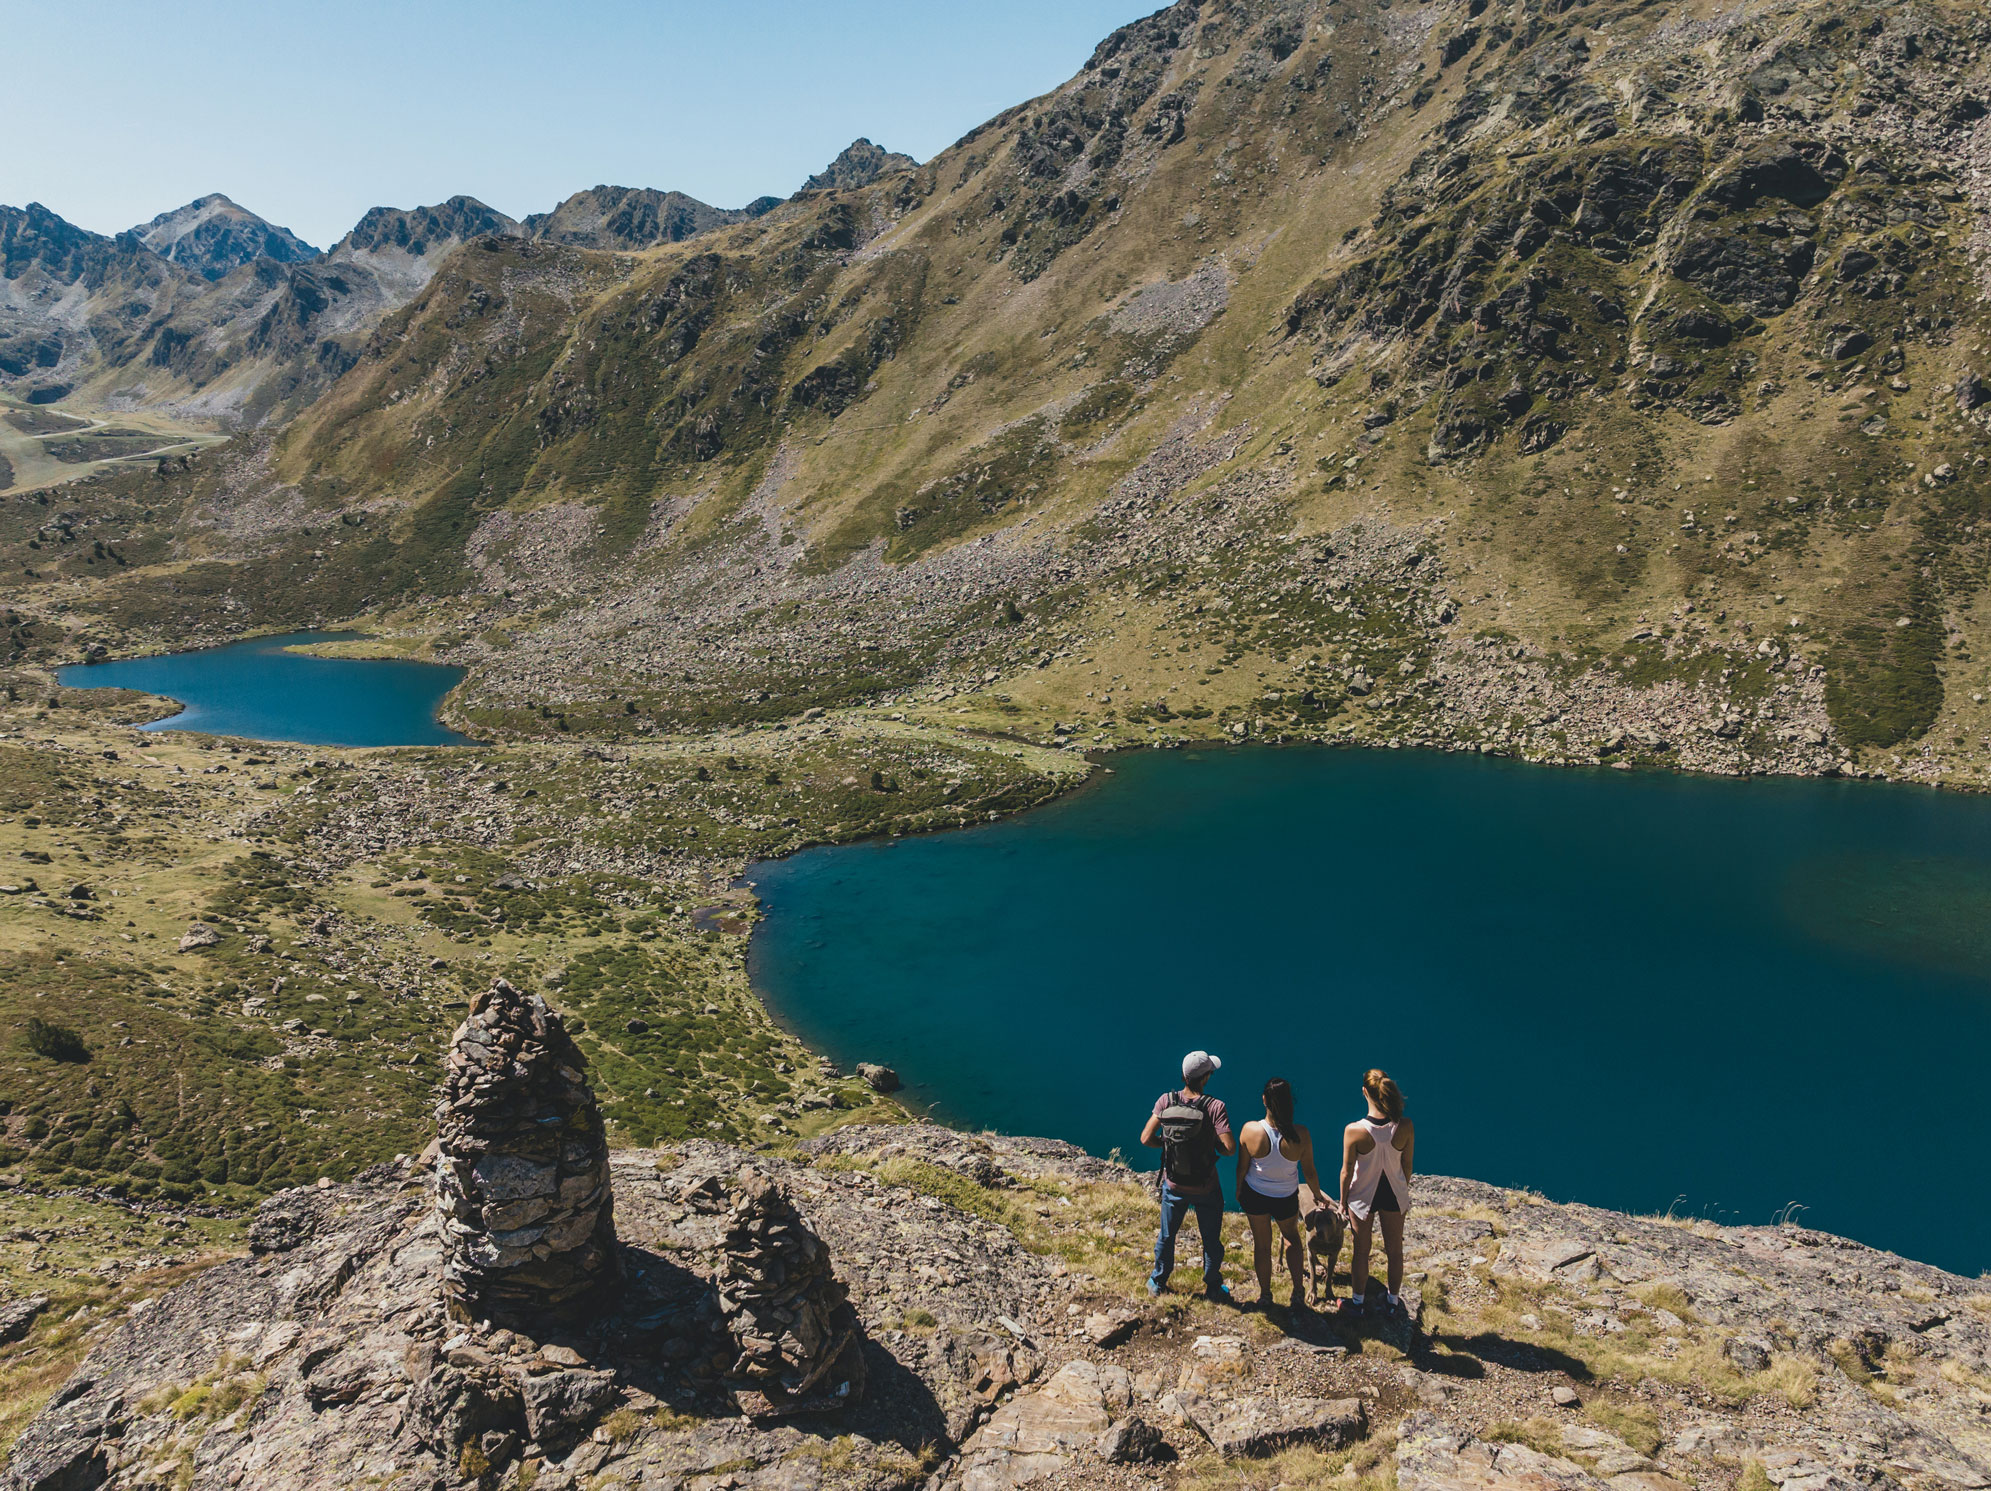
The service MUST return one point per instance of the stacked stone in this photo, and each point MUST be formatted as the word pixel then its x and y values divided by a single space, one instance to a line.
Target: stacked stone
pixel 785 1312
pixel 522 1177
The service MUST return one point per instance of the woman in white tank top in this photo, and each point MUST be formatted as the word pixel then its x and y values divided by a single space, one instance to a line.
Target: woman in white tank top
pixel 1377 1153
pixel 1272 1154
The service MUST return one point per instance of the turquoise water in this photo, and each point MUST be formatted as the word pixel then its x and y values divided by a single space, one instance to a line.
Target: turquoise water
pixel 258 691
pixel 1638 990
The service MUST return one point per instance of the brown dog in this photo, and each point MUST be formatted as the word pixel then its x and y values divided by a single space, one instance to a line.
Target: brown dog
pixel 1325 1230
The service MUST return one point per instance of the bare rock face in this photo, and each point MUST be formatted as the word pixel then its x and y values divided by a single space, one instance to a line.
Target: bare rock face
pixel 522 1179
pixel 793 1335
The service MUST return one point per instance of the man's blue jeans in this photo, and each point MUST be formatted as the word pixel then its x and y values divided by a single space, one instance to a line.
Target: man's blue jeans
pixel 1175 1208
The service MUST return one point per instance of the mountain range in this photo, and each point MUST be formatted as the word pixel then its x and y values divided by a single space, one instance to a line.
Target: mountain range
pixel 211 311
pixel 1584 382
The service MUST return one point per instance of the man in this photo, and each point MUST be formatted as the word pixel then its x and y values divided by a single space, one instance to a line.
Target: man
pixel 1191 1129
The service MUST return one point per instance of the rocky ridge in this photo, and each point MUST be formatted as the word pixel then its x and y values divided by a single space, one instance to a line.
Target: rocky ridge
pixel 859 164
pixel 210 312
pixel 630 219
pixel 1545 1345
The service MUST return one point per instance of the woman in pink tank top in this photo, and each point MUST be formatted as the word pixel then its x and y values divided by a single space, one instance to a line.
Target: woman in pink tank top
pixel 1377 1152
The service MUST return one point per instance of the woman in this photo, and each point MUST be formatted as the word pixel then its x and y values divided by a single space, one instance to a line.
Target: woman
pixel 1377 1152
pixel 1272 1154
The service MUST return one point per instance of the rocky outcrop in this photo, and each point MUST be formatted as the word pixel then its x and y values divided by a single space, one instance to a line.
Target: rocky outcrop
pixel 521 1180
pixel 1041 1433
pixel 860 164
pixel 1561 1348
pixel 17 1316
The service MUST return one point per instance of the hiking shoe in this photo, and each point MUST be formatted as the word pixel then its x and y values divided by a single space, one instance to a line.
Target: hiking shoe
pixel 1154 1289
pixel 1218 1294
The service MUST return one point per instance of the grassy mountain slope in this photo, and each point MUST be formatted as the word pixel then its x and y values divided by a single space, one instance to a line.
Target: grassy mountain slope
pixel 1649 331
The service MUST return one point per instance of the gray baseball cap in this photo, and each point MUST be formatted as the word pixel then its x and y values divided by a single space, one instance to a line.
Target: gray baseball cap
pixel 1197 1065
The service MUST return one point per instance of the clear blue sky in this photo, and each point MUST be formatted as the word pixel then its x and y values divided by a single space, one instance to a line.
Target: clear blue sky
pixel 311 113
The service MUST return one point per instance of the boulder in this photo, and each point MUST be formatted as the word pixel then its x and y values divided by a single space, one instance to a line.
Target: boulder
pixel 460 1402
pixel 1036 1435
pixel 1548 1259
pixel 197 936
pixel 1109 1328
pixel 878 1078
pixel 1716 1437
pixel 1645 1480
pixel 1747 1353
pixel 561 1406
pixel 1799 1470
pixel 1266 1425
pixel 1134 1441
pixel 65 1448
pixel 287 1220
pixel 1432 1455
pixel 18 1316
pixel 1607 1454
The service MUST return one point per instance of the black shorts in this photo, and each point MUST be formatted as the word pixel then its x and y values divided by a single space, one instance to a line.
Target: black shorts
pixel 1278 1208
pixel 1385 1197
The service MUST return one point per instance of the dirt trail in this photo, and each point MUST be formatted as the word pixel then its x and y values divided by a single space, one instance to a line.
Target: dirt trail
pixel 33 466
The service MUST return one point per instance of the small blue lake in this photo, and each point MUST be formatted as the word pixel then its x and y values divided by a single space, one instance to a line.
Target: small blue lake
pixel 1633 989
pixel 260 691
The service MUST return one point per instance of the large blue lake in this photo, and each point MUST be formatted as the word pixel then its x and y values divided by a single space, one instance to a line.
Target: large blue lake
pixel 260 691
pixel 1635 989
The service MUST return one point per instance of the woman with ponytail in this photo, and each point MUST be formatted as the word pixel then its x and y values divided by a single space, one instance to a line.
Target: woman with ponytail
pixel 1272 1154
pixel 1377 1151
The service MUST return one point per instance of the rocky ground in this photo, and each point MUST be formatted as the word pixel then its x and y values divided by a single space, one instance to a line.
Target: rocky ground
pixel 1006 1343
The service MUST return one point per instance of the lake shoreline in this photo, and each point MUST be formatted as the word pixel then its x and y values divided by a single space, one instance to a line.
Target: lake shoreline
pixel 946 1095
pixel 255 689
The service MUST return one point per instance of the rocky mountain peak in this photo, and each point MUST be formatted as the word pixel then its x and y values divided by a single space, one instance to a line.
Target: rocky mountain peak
pixel 32 236
pixel 627 218
pixel 416 231
pixel 212 235
pixel 860 164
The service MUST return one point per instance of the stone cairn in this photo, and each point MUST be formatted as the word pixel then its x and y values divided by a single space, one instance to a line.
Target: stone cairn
pixel 791 1333
pixel 522 1176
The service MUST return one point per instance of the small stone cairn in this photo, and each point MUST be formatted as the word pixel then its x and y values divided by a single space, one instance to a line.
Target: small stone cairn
pixel 522 1174
pixel 792 1334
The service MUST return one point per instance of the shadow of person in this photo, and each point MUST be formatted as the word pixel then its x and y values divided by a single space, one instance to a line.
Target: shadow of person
pixel 1517 1356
